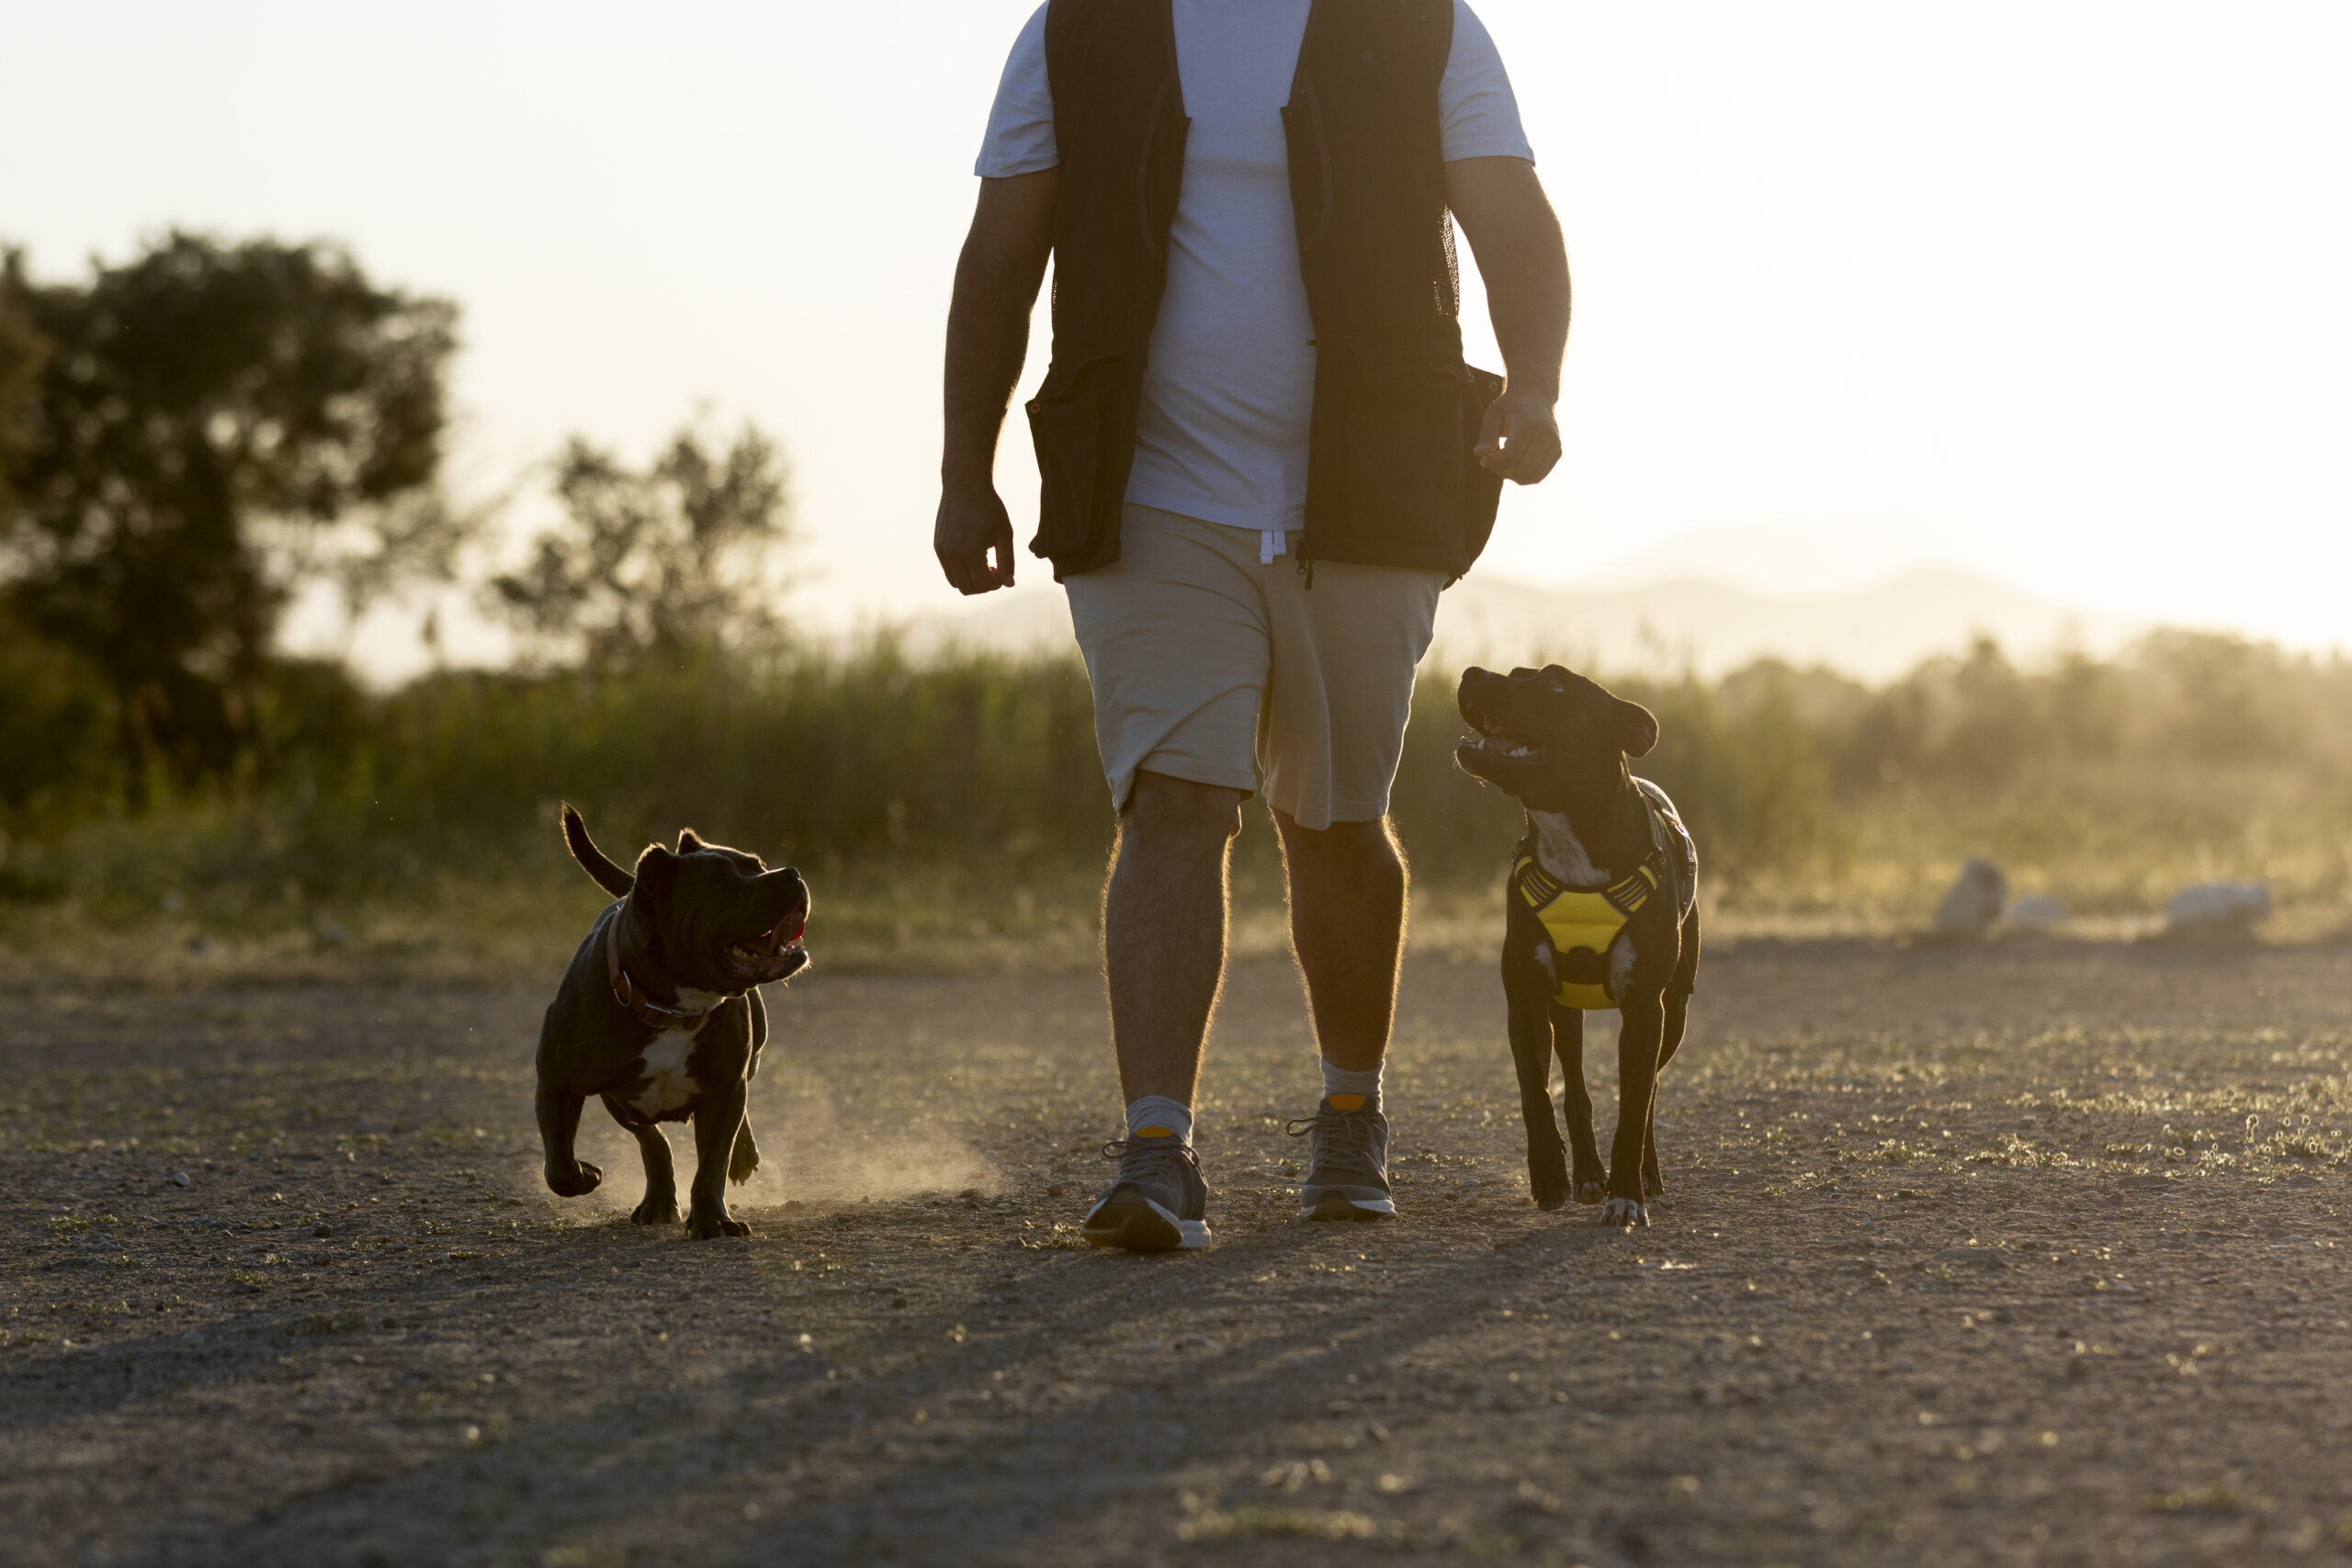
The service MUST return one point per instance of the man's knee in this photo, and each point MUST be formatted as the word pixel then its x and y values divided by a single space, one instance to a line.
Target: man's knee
pixel 1174 810
pixel 1362 844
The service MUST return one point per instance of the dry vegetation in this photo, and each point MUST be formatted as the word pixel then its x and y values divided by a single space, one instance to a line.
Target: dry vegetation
pixel 953 811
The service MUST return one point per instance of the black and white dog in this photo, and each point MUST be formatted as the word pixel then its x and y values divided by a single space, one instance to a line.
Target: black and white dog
pixel 1601 912
pixel 659 1015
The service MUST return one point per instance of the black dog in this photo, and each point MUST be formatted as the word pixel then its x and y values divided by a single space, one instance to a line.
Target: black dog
pixel 1602 913
pixel 659 1014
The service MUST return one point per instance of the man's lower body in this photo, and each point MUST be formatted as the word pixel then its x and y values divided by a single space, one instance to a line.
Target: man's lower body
pixel 1212 669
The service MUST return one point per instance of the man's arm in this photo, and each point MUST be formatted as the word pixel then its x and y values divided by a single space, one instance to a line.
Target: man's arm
pixel 1525 264
pixel 987 337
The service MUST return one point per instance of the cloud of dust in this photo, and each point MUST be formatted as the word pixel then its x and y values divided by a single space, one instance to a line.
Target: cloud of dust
pixel 810 1151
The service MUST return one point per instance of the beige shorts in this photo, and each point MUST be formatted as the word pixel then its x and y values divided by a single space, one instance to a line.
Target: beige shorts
pixel 1211 665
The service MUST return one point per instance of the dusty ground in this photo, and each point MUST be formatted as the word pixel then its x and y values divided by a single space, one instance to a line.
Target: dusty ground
pixel 2031 1254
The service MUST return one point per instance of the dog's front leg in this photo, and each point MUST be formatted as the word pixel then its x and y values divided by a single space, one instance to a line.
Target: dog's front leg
pixel 1589 1175
pixel 1678 1017
pixel 746 1158
pixel 1526 994
pixel 1678 1020
pixel 568 1174
pixel 717 1120
pixel 1637 1052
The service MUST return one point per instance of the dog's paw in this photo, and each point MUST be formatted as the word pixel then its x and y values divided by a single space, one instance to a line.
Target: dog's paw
pixel 1547 1179
pixel 1653 1184
pixel 1625 1214
pixel 1591 1190
pixel 583 1179
pixel 705 1227
pixel 663 1210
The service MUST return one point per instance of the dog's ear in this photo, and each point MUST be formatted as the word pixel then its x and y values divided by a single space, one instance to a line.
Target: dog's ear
pixel 657 873
pixel 1636 726
pixel 689 842
pixel 1557 676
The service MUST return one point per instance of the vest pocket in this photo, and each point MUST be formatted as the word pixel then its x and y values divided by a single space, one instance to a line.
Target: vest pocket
pixel 1403 435
pixel 1080 413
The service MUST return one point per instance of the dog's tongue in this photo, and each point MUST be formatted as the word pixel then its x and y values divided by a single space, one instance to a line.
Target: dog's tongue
pixel 775 943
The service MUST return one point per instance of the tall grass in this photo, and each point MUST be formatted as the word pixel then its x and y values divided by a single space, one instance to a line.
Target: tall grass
pixel 970 784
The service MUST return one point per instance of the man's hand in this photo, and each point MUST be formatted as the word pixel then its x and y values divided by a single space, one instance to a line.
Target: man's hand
pixel 972 523
pixel 1519 438
pixel 1517 240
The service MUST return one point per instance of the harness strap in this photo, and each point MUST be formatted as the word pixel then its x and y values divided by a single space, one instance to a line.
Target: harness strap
pixel 1626 895
pixel 632 997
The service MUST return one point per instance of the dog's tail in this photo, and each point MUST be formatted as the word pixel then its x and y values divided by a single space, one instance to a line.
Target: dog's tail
pixel 609 877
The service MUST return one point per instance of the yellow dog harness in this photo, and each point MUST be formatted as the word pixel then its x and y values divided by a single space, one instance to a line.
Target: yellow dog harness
pixel 1582 921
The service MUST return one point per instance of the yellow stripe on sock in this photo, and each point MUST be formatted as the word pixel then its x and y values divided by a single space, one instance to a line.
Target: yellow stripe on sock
pixel 1155 1131
pixel 1347 1102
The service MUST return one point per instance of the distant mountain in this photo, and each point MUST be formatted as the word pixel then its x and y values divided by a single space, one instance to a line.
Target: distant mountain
pixel 1872 633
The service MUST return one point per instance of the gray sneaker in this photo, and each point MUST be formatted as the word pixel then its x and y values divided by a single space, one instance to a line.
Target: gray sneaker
pixel 1158 1203
pixel 1347 1164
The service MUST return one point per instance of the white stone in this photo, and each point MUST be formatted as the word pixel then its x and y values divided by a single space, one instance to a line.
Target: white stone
pixel 2035 911
pixel 1973 901
pixel 2210 906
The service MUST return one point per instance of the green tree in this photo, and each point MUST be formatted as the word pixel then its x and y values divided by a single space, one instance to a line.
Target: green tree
pixel 678 556
pixel 23 352
pixel 207 413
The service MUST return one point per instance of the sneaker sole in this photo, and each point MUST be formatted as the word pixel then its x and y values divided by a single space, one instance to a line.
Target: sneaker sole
pixel 1336 1205
pixel 1138 1225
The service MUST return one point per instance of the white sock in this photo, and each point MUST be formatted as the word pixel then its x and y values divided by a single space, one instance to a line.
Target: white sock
pixel 1347 1088
pixel 1157 1116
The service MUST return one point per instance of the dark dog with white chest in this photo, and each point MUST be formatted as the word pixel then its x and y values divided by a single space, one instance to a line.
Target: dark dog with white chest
pixel 659 1015
pixel 1601 912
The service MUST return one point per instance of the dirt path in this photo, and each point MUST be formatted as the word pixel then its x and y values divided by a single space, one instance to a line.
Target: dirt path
pixel 2035 1254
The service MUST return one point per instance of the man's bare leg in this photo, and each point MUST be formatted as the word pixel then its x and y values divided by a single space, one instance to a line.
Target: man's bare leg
pixel 1163 951
pixel 1347 925
pixel 1163 929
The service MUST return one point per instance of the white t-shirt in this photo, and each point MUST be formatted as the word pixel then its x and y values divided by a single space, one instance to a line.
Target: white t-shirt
pixel 1230 383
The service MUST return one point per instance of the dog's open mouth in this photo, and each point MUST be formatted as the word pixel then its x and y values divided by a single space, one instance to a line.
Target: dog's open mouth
pixel 1493 740
pixel 771 955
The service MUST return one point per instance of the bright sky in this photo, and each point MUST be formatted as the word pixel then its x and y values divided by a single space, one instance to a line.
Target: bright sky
pixel 2051 292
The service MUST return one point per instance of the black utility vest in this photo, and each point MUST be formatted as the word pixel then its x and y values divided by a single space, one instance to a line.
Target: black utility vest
pixel 1390 479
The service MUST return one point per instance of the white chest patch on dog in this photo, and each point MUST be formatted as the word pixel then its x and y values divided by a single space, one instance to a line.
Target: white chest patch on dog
pixel 670 1084
pixel 1560 853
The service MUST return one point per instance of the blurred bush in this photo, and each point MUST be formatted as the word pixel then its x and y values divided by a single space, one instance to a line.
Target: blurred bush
pixel 2109 783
